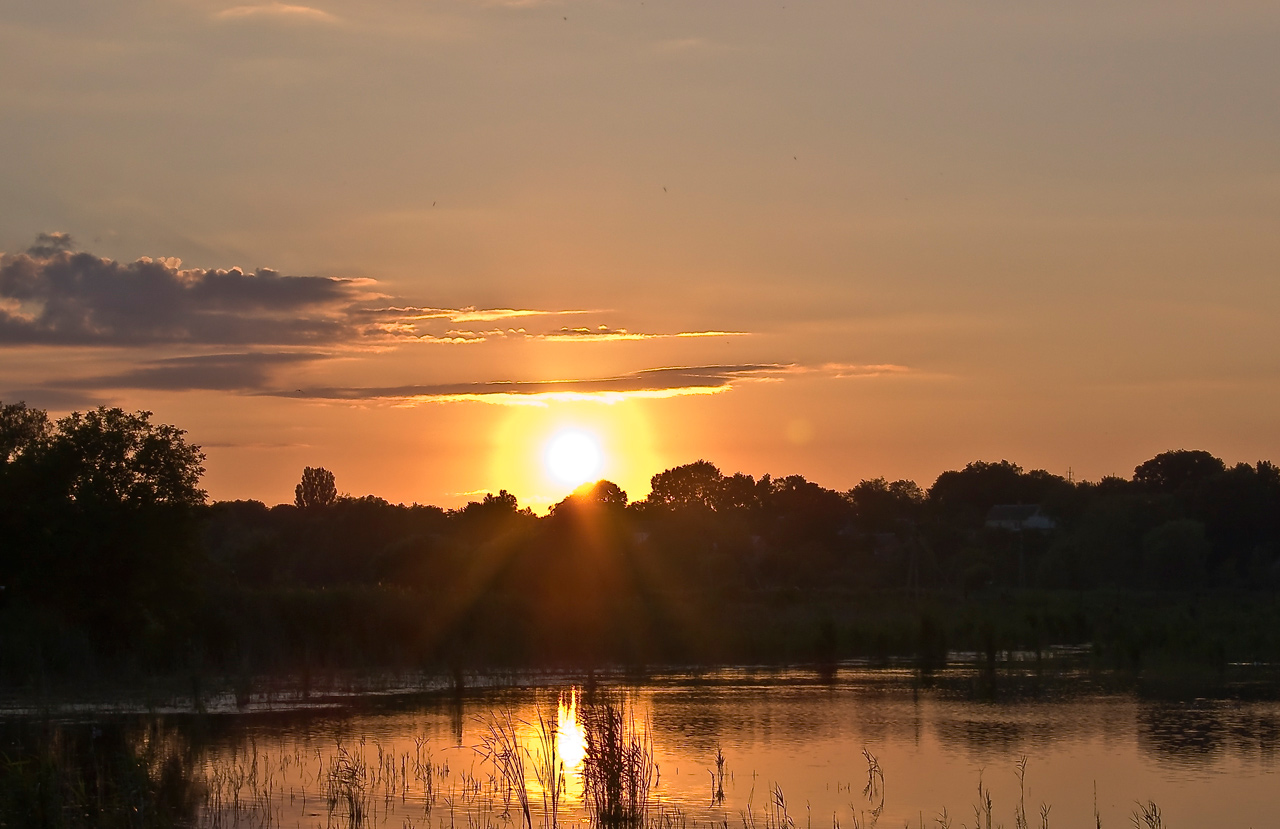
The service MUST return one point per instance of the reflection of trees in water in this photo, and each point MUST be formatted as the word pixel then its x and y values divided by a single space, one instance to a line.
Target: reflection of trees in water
pixel 1019 728
pixel 1181 732
pixel 989 734
pixel 702 719
pixel 123 773
pixel 1198 731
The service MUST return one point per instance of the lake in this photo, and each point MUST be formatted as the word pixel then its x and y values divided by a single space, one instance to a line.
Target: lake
pixel 856 748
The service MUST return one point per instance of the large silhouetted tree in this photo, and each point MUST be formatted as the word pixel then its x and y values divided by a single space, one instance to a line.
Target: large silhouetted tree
pixel 1179 468
pixel 696 484
pixel 112 457
pixel 317 489
pixel 98 516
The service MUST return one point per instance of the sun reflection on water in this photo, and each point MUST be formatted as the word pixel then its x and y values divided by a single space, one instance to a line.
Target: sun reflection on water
pixel 571 741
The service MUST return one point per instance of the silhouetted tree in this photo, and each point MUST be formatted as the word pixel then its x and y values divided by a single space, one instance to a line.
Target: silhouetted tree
pixel 110 456
pixel 317 489
pixel 742 493
pixel 696 484
pixel 599 494
pixel 491 513
pixel 99 518
pixel 883 506
pixel 21 430
pixel 967 494
pixel 1178 469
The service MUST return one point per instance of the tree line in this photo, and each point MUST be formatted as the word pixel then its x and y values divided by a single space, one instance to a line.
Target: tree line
pixel 113 551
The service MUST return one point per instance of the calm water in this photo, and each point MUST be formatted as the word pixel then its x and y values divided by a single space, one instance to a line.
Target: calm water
pixel 1205 763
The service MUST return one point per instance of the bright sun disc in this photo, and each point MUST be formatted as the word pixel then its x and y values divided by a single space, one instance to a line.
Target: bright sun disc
pixel 573 457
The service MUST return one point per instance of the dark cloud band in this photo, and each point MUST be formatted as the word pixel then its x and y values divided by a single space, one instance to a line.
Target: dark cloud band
pixel 658 382
pixel 52 296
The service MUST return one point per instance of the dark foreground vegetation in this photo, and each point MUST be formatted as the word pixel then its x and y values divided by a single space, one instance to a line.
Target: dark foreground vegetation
pixel 113 564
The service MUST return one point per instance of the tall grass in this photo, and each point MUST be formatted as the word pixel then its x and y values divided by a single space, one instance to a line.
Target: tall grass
pixel 345 787
pixel 548 768
pixel 619 770
pixel 512 759
pixel 500 745
pixel 1147 816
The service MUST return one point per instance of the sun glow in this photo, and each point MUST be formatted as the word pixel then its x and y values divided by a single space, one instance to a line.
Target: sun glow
pixel 573 457
pixel 571 741
pixel 620 435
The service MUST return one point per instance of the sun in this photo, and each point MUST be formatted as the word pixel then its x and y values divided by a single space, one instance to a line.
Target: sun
pixel 573 457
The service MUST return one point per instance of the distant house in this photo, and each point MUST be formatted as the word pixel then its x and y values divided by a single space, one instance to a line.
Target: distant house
pixel 1019 517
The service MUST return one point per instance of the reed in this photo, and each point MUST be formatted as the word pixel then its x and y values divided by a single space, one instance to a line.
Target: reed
pixel 548 768
pixel 1147 816
pixel 501 746
pixel 346 786
pixel 619 770
pixel 717 779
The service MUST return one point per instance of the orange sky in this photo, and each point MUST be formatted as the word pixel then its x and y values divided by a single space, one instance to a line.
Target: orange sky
pixel 875 239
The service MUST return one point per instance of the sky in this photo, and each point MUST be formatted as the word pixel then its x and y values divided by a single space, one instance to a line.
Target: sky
pixel 414 241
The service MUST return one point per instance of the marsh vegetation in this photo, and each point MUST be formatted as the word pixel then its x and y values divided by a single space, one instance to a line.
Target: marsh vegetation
pixel 758 751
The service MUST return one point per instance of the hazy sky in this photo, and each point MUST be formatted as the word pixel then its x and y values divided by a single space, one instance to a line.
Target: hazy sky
pixel 412 241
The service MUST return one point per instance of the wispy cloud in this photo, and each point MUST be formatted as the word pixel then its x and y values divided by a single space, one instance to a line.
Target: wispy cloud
pixel 601 333
pixel 283 12
pixel 839 371
pixel 605 333
pixel 647 384
pixel 217 372
pixel 412 313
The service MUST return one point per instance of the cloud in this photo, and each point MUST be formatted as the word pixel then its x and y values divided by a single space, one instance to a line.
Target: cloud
pixel 840 371
pixel 410 313
pixel 284 12
pixel 217 372
pixel 663 381
pixel 52 399
pixel 648 383
pixel 48 244
pixel 601 333
pixel 605 333
pixel 493 314
pixel 52 296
